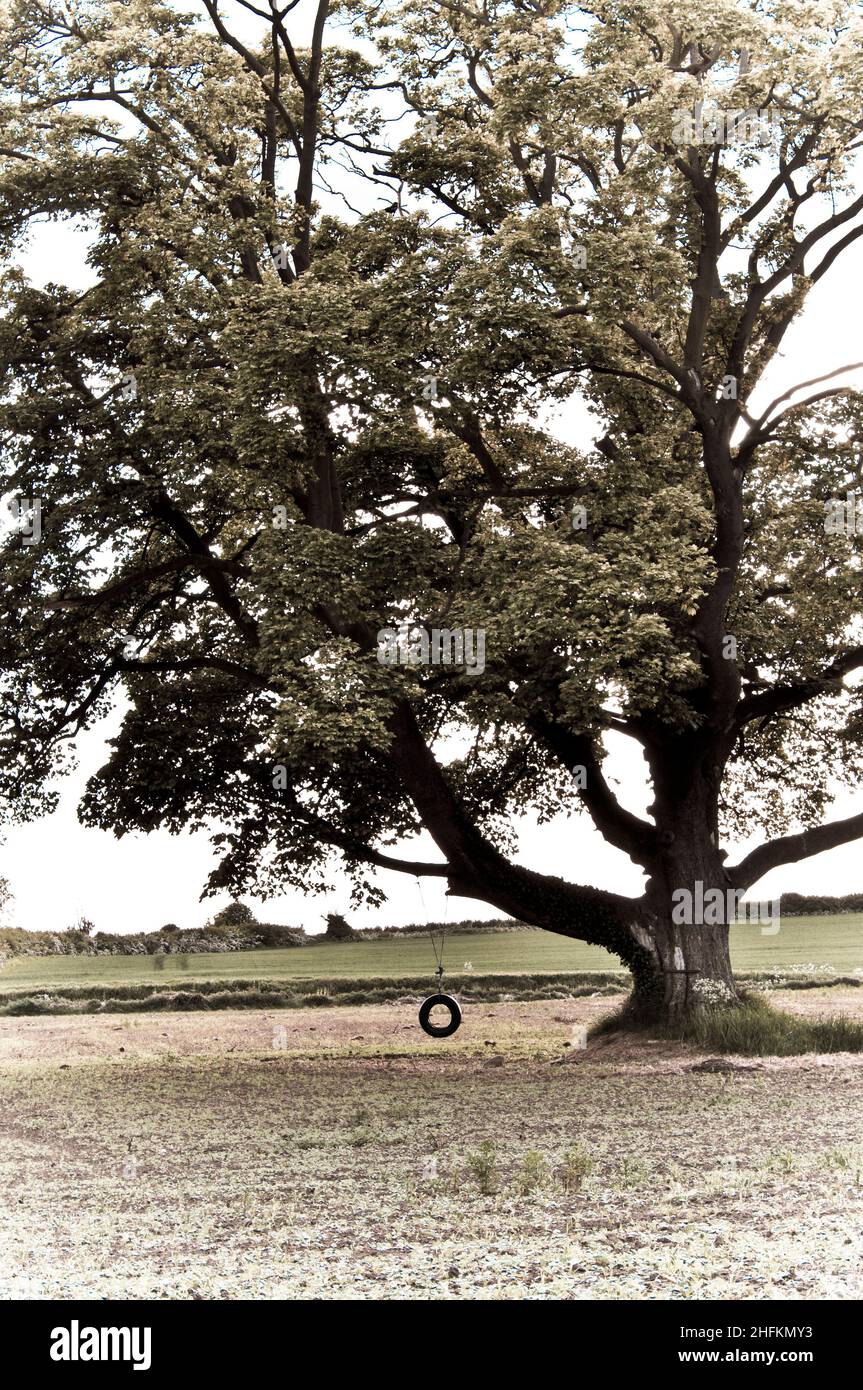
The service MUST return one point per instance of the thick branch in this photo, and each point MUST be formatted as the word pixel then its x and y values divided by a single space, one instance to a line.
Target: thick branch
pixel 791 848
pixel 638 838
pixel 784 697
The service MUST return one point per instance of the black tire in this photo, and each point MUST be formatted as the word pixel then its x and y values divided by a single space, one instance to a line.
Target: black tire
pixel 435 1001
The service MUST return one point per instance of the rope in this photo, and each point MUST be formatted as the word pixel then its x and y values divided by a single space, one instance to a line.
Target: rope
pixel 438 954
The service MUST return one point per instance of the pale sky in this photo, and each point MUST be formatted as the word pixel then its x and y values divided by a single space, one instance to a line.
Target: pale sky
pixel 59 870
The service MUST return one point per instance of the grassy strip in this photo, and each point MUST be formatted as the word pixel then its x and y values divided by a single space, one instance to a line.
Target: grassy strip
pixel 776 980
pixel 325 993
pixel 301 994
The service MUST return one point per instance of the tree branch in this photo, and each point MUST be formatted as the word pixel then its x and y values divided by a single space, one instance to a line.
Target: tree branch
pixel 788 849
pixel 638 838
pixel 784 697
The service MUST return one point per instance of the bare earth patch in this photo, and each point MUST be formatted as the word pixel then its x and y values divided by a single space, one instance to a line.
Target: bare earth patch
pixel 211 1155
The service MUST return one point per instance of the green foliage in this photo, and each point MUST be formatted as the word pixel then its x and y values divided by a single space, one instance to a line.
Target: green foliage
pixel 483 1167
pixel 749 1028
pixel 632 1172
pixel 234 915
pixel 242 481
pixel 534 1173
pixel 81 940
pixel 338 928
pixel 807 904
pixel 755 1029
pixel 575 1167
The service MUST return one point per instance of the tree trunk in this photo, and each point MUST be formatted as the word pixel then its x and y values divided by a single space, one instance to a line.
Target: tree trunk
pixel 680 967
pixel 683 926
pixel 677 951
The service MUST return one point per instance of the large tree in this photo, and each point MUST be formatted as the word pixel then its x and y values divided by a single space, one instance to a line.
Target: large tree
pixel 348 267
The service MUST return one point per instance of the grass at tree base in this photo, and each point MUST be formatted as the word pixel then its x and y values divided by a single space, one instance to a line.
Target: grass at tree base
pixel 750 1027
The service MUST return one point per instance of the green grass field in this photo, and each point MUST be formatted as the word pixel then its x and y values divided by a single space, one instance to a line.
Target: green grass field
pixel 825 942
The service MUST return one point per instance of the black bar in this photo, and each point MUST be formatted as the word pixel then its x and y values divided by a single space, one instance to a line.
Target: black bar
pixel 199 1338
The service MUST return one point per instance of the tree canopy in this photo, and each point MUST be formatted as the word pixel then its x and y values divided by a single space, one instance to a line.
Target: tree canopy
pixel 351 262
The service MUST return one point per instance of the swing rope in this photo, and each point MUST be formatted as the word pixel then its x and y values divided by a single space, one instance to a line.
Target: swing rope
pixel 438 954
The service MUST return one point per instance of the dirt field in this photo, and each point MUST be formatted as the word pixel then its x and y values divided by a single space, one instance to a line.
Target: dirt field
pixel 215 1155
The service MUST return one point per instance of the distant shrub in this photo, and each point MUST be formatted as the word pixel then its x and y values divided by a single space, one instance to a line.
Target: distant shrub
pixel 274 934
pixel 819 904
pixel 469 927
pixel 234 915
pixel 18 942
pixel 338 928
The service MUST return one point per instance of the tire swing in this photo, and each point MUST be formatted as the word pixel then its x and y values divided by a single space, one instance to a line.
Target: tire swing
pixel 439 1000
